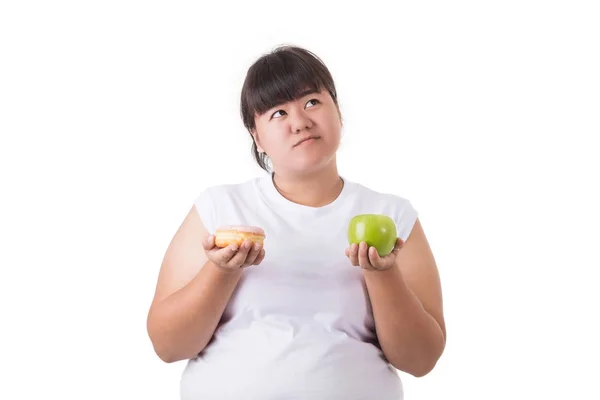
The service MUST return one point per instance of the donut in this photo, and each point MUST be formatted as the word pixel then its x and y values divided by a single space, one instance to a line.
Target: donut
pixel 236 234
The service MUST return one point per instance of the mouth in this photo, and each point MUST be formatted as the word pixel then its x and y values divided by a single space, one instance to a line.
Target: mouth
pixel 306 139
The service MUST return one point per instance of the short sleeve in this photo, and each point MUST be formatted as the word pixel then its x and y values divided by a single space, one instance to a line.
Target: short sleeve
pixel 206 211
pixel 406 216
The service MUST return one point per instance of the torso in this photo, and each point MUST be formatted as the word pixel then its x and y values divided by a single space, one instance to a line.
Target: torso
pixel 299 325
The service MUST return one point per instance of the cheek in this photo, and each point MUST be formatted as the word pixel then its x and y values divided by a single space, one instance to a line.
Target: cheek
pixel 273 140
pixel 334 128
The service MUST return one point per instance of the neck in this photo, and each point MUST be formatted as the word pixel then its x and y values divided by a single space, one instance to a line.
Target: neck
pixel 314 190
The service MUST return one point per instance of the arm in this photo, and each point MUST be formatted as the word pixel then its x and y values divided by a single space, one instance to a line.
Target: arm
pixel 407 307
pixel 191 295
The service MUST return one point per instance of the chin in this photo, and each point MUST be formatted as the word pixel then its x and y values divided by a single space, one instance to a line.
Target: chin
pixel 311 163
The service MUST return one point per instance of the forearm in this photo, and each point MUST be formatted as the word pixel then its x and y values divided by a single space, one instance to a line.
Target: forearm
pixel 181 325
pixel 410 337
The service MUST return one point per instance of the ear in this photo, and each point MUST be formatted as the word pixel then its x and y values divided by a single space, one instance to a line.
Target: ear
pixel 255 137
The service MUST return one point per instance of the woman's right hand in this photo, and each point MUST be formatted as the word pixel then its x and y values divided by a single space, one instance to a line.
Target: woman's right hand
pixel 231 257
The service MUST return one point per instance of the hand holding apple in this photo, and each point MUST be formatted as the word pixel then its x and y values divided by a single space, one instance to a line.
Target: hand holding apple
pixel 373 241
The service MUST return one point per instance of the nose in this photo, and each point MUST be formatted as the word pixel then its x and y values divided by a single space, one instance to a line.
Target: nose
pixel 301 122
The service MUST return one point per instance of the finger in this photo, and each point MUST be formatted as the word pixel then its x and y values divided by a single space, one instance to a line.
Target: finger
pixel 238 259
pixel 353 254
pixel 376 261
pixel 260 258
pixel 363 258
pixel 208 242
pixel 398 246
pixel 254 252
pixel 223 256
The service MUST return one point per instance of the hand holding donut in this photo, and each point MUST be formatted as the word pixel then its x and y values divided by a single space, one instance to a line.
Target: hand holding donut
pixel 234 247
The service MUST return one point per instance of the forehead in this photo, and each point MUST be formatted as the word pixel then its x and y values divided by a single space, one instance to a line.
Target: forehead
pixel 301 95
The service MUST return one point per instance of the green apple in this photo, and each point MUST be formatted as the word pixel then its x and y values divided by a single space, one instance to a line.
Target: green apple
pixel 376 230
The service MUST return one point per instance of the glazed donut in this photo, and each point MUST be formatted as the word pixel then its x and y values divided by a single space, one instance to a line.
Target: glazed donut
pixel 236 234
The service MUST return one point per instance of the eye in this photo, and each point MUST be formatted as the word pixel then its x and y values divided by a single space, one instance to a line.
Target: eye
pixel 274 115
pixel 313 100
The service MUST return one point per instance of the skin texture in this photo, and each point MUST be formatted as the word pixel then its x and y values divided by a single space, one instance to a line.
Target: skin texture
pixel 405 290
pixel 195 283
pixel 279 130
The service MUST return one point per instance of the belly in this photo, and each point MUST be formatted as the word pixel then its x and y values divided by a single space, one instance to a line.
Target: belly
pixel 280 360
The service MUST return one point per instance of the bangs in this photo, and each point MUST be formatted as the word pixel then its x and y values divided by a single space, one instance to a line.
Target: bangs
pixel 281 77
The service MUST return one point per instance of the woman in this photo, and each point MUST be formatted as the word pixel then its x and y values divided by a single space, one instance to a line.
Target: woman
pixel 303 316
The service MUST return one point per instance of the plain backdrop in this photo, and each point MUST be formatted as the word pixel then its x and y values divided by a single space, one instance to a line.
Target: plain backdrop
pixel 114 115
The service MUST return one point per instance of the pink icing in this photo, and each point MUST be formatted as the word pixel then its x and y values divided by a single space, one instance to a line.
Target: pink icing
pixel 243 228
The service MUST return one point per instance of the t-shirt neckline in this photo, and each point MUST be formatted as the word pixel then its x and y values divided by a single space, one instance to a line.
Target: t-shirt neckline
pixel 274 196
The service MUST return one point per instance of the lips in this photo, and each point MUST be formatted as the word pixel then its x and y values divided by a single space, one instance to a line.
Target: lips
pixel 307 138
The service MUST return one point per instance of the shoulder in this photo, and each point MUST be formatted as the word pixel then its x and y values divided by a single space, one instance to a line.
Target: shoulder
pixel 222 195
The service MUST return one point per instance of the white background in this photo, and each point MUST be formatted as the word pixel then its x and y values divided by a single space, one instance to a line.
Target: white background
pixel 483 114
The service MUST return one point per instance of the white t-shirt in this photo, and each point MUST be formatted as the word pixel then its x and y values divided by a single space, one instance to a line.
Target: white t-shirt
pixel 299 325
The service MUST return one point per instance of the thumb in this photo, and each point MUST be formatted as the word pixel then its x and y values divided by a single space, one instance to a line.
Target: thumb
pixel 398 246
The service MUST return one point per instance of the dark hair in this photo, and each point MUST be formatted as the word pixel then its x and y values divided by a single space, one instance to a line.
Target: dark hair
pixel 279 77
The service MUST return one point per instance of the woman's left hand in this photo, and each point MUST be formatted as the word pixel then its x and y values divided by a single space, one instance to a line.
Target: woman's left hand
pixel 367 257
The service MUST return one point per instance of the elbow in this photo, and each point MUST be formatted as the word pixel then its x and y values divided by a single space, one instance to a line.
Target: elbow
pixel 162 351
pixel 169 355
pixel 164 355
pixel 426 367
pixel 171 346
pixel 169 358
pixel 419 365
pixel 159 349
pixel 163 347
pixel 428 362
pixel 418 370
pixel 422 371
pixel 166 358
